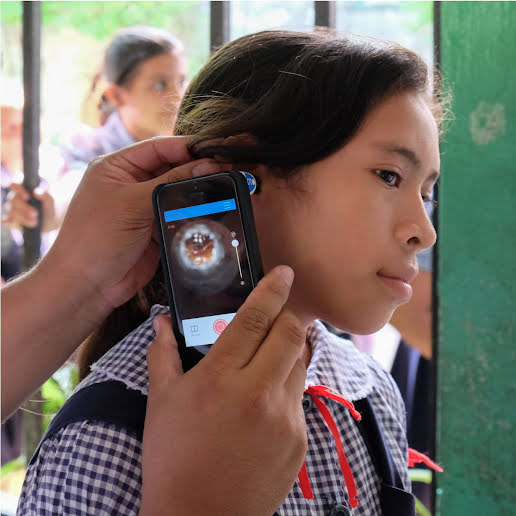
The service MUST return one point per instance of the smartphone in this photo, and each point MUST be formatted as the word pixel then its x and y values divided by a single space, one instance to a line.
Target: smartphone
pixel 209 253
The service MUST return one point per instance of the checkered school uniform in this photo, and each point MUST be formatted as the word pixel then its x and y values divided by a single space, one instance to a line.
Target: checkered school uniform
pixel 92 467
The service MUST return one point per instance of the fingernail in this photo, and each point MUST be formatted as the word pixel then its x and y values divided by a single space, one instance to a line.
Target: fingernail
pixel 205 168
pixel 155 324
pixel 287 274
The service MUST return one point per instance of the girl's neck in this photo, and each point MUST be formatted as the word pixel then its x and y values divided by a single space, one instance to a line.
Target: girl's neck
pixel 306 354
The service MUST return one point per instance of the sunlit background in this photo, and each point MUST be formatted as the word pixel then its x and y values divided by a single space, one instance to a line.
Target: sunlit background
pixel 74 35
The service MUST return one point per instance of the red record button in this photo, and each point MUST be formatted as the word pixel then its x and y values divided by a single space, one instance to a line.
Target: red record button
pixel 219 326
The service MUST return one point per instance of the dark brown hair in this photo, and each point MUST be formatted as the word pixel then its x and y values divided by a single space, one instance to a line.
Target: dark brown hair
pixel 301 96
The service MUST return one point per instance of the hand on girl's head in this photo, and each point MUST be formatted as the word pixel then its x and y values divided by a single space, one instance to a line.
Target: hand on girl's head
pixel 114 197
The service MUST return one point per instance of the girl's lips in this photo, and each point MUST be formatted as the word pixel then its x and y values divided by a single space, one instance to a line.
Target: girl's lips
pixel 397 285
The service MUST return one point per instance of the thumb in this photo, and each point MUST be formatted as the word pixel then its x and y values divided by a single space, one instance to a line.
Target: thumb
pixel 189 170
pixel 163 359
pixel 40 193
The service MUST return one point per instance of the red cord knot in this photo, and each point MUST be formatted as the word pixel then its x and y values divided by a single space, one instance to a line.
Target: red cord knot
pixel 316 392
pixel 415 457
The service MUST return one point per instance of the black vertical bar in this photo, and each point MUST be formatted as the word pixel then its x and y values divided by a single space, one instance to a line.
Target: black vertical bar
pixel 325 14
pixel 31 112
pixel 435 284
pixel 219 24
pixel 437 34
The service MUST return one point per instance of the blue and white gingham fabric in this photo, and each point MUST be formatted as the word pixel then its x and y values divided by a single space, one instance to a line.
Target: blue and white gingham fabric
pixel 95 468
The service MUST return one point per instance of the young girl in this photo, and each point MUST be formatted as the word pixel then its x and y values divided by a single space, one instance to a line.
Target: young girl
pixel 342 134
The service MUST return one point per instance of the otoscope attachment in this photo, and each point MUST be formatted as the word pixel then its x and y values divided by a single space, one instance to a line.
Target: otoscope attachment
pixel 251 182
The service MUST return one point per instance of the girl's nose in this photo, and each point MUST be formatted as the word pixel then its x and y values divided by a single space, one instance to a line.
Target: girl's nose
pixel 416 230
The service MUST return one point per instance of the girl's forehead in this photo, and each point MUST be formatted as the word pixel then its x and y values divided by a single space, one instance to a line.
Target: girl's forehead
pixel 167 63
pixel 402 127
pixel 401 119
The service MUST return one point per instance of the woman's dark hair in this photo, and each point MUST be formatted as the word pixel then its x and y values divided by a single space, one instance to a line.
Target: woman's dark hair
pixel 300 96
pixel 131 47
pixel 127 51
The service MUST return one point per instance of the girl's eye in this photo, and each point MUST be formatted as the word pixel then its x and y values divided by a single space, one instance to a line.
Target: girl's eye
pixel 160 86
pixel 389 177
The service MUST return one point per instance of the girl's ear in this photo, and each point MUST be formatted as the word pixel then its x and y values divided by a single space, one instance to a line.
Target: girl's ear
pixel 114 94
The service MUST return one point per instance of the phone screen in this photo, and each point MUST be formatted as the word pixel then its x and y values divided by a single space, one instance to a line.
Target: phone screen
pixel 207 256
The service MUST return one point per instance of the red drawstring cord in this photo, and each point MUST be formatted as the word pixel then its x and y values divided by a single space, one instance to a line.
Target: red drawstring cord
pixel 320 390
pixel 304 482
pixel 414 457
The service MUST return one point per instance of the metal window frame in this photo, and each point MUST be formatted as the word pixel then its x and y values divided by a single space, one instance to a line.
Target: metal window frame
pixel 325 13
pixel 31 120
pixel 219 23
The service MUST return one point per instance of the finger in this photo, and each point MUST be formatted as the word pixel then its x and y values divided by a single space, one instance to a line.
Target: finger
pixel 281 349
pixel 22 213
pixel 204 171
pixel 146 159
pixel 253 321
pixel 41 194
pixel 8 222
pixel 163 359
pixel 19 190
pixel 295 383
pixel 187 171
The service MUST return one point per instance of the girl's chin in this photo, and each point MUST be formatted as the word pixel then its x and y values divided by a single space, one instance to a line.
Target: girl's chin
pixel 364 325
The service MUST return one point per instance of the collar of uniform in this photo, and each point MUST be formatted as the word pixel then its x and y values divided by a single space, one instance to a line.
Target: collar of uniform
pixel 336 363
pixel 126 361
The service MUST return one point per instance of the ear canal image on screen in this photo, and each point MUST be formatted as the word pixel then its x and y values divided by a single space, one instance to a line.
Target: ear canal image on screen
pixel 204 253
pixel 200 248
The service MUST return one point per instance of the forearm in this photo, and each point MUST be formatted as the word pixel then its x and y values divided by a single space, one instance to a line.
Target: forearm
pixel 46 314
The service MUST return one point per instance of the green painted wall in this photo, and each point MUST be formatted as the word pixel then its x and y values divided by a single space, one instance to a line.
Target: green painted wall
pixel 477 262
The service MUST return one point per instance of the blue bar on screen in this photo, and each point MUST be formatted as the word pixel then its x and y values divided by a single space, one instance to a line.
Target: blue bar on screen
pixel 200 210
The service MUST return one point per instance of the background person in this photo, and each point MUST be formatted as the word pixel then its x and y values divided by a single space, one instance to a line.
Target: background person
pixel 11 162
pixel 142 80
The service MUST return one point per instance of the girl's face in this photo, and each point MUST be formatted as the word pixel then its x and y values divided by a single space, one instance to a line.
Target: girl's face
pixel 352 234
pixel 148 103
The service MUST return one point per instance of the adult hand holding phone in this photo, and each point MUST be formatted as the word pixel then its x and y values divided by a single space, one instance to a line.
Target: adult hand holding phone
pixel 104 253
pixel 231 431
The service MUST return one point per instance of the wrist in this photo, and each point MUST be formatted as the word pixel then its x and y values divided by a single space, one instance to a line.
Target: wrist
pixel 64 281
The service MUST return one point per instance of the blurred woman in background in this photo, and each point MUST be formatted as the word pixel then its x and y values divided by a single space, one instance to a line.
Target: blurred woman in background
pixel 135 95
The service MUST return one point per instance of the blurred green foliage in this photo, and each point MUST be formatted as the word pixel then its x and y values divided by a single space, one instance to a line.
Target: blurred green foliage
pixel 100 18
pixel 422 14
pixel 186 19
pixel 56 390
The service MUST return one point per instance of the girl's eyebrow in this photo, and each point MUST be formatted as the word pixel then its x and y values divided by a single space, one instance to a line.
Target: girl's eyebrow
pixel 408 154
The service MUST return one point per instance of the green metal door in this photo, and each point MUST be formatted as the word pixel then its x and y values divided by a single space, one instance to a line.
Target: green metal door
pixel 476 436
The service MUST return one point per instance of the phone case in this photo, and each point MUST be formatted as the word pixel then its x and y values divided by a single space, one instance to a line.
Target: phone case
pixel 190 356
